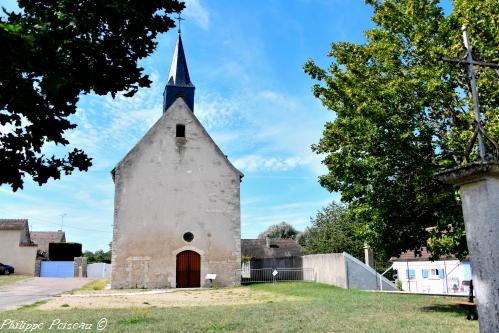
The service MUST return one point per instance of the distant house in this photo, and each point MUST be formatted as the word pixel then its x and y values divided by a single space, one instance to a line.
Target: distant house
pixel 16 247
pixel 44 238
pixel 272 253
pixel 421 275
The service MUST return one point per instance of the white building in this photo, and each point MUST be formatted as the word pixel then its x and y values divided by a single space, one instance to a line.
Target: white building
pixel 16 247
pixel 419 274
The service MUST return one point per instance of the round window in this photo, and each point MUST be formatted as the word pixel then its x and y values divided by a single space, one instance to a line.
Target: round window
pixel 188 236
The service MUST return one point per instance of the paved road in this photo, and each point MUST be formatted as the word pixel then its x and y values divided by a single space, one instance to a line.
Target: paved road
pixel 36 289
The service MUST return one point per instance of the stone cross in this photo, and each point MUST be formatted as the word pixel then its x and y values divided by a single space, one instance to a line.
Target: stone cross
pixel 474 92
pixel 479 130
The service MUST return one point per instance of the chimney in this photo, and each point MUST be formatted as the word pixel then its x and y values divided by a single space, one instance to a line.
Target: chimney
pixel 368 256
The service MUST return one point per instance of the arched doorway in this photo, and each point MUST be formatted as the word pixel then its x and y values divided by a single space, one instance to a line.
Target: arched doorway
pixel 188 269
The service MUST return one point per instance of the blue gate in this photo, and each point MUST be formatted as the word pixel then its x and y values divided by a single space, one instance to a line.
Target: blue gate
pixel 57 269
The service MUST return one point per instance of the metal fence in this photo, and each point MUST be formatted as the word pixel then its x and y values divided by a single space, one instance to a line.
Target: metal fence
pixel 275 275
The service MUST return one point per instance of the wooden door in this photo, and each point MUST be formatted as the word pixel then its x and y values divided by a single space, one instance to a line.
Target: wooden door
pixel 188 269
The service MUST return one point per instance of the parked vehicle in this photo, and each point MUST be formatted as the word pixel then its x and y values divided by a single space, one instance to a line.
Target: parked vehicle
pixel 6 269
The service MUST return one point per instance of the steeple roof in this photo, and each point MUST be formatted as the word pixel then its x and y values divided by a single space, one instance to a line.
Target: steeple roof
pixel 179 83
pixel 179 73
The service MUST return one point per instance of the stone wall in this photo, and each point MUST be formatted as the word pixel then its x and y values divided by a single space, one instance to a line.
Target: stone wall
pixel 38 267
pixel 80 267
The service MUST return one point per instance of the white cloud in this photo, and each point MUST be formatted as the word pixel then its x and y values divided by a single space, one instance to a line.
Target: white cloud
pixel 264 130
pixel 215 111
pixel 197 12
pixel 252 163
pixel 115 125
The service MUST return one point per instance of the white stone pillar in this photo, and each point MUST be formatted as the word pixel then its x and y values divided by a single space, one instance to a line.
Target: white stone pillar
pixel 479 188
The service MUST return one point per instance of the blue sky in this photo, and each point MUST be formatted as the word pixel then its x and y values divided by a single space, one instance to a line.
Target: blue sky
pixel 245 59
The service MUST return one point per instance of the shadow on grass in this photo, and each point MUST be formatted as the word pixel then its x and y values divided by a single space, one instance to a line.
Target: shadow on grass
pixel 446 308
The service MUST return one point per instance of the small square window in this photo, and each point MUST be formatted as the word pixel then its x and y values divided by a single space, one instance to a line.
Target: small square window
pixel 437 273
pixel 411 274
pixel 180 131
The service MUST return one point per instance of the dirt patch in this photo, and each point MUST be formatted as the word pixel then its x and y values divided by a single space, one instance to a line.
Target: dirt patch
pixel 167 298
pixel 10 279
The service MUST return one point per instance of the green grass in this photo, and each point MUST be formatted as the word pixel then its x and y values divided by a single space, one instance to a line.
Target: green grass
pixel 97 284
pixel 9 279
pixel 318 308
pixel 33 305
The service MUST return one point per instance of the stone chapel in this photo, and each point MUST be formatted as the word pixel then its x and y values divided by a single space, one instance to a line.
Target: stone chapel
pixel 177 203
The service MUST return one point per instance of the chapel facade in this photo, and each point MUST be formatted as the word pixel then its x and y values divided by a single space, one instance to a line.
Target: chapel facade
pixel 177 201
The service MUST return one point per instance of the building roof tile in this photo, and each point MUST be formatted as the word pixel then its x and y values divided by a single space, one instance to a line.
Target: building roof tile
pixel 424 255
pixel 270 248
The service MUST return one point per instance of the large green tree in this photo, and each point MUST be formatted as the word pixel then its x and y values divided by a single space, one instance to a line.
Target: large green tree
pixel 53 51
pixel 402 114
pixel 280 230
pixel 99 255
pixel 332 231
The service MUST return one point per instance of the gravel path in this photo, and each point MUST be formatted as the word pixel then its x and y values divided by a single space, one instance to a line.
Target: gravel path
pixel 36 289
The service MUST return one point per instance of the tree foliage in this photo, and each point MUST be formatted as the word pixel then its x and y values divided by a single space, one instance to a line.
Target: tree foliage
pixel 332 231
pixel 281 230
pixel 52 51
pixel 98 256
pixel 402 115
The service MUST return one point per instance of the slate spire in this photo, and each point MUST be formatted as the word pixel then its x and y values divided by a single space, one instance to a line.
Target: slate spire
pixel 179 83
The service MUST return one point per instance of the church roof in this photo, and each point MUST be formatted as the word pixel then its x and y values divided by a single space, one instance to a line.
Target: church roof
pixel 179 73
pixel 178 102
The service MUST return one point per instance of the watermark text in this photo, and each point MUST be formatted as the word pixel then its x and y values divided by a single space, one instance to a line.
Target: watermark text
pixel 54 325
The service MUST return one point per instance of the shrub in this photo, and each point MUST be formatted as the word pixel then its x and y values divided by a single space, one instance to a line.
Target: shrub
pixel 64 251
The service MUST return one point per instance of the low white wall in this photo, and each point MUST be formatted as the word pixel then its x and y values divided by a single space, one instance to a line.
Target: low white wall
pixel 345 271
pixel 99 270
pixel 328 268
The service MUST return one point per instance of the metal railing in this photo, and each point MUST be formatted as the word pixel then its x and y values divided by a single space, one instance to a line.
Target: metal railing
pixel 259 275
